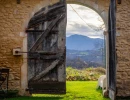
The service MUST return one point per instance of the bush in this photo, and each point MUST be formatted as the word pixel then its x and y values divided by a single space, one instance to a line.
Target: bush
pixel 100 70
pixel 88 74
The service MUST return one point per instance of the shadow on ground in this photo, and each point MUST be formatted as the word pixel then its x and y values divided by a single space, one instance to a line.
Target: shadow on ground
pixel 35 98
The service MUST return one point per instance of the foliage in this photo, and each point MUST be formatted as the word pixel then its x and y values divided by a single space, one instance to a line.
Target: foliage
pixel 76 90
pixel 87 74
pixel 10 93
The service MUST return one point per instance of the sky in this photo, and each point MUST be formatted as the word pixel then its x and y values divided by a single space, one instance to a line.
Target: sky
pixel 84 21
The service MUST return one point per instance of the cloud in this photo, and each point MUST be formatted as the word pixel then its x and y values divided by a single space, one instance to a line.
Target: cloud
pixel 89 34
pixel 83 23
pixel 75 28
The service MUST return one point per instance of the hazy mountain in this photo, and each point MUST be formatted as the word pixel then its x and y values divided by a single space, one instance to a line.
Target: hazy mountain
pixel 83 52
pixel 83 59
pixel 80 42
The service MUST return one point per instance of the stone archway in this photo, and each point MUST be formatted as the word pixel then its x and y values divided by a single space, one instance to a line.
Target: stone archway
pixel 100 6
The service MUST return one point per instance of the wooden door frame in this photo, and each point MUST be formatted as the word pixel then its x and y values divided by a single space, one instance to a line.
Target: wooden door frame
pixel 112 49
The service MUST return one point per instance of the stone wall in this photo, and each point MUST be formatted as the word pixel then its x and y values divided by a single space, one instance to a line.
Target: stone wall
pixel 14 19
pixel 123 48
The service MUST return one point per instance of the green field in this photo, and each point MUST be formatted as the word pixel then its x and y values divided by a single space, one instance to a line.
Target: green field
pixel 76 90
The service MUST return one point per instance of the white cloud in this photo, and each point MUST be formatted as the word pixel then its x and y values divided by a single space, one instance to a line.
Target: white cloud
pixel 84 23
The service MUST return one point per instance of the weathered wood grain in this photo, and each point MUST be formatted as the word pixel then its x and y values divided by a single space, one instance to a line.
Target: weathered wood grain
pixel 44 72
pixel 49 28
pixel 46 49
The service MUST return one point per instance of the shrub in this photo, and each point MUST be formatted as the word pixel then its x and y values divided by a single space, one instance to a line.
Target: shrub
pixel 88 74
pixel 100 70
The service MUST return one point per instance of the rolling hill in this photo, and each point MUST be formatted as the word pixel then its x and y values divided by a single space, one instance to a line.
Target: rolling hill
pixel 80 42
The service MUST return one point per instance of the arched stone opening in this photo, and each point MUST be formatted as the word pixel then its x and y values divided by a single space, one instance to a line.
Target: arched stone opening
pixel 100 7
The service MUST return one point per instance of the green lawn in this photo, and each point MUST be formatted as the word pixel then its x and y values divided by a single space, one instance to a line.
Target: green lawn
pixel 76 90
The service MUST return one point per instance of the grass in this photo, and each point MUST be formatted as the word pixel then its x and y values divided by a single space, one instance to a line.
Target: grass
pixel 76 90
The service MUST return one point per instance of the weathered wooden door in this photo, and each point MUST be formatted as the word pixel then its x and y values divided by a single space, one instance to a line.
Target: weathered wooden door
pixel 112 45
pixel 46 50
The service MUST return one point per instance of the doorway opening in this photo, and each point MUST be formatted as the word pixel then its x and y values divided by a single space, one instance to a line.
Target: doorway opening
pixel 46 42
pixel 85 44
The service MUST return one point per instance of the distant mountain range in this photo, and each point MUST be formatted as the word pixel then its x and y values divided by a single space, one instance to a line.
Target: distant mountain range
pixel 80 42
pixel 84 52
